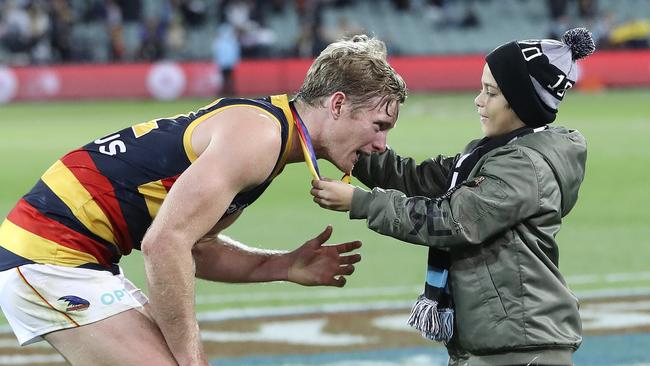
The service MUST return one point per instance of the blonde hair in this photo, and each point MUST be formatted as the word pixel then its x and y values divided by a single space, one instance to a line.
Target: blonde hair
pixel 356 67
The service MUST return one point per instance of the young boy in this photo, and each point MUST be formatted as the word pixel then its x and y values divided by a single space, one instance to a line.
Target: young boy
pixel 490 214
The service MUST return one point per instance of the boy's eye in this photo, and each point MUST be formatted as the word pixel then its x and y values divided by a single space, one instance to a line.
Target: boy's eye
pixel 487 92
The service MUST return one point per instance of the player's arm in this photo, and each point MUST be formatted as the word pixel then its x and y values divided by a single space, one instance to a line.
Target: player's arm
pixel 220 258
pixel 196 202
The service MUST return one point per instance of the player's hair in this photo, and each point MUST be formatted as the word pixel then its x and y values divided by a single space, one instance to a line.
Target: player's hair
pixel 356 67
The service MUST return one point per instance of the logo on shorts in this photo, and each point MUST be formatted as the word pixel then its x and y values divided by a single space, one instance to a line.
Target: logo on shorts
pixel 75 303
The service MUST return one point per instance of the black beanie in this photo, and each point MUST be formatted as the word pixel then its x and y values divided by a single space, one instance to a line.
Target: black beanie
pixel 533 75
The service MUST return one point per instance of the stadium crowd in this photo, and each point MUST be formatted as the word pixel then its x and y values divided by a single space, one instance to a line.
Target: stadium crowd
pixel 64 31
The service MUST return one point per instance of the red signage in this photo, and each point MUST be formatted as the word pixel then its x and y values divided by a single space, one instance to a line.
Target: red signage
pixel 169 80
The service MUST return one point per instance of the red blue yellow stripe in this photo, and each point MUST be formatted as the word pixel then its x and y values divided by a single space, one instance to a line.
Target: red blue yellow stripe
pixel 28 233
pixel 102 192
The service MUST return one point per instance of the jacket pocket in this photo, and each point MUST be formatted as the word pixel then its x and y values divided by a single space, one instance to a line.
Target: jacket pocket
pixel 490 293
pixel 479 307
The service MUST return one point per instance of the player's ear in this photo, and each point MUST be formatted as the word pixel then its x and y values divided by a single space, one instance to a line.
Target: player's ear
pixel 336 104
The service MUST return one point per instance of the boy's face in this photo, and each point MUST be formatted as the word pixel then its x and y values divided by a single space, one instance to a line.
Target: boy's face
pixel 497 118
pixel 360 131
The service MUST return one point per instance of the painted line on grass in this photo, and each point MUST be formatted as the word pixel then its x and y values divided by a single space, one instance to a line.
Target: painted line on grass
pixel 607 278
pixel 599 315
pixel 278 311
pixel 365 292
pixel 13 342
pixel 329 293
pixel 31 359
pixel 614 292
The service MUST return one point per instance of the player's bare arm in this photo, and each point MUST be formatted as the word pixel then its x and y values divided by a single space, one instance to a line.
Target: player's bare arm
pixel 197 201
pixel 220 258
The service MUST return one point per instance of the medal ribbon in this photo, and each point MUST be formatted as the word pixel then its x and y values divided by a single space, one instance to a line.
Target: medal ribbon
pixel 308 148
pixel 305 143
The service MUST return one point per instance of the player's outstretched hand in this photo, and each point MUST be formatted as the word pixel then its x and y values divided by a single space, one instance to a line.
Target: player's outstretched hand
pixel 315 264
pixel 332 194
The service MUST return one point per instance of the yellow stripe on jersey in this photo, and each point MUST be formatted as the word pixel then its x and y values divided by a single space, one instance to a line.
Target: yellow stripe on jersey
pixel 154 193
pixel 40 250
pixel 282 102
pixel 187 136
pixel 66 186
pixel 144 128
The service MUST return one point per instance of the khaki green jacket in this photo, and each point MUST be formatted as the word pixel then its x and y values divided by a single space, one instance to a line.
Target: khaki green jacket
pixel 512 304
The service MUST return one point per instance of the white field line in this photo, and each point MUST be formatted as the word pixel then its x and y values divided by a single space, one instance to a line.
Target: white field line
pixel 608 278
pixel 18 359
pixel 13 342
pixel 366 292
pixel 260 312
pixel 613 292
pixel 327 293
pixel 251 313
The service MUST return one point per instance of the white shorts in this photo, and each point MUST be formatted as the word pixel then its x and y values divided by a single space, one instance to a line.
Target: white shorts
pixel 40 298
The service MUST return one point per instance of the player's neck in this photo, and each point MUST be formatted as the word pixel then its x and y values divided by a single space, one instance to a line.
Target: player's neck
pixel 310 117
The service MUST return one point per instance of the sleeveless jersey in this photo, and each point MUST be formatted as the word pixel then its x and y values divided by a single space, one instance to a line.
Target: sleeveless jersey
pixel 95 203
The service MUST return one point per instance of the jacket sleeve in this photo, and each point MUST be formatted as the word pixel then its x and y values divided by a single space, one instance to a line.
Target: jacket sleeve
pixel 391 171
pixel 503 192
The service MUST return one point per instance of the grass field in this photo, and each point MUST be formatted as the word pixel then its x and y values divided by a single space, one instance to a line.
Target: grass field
pixel 604 242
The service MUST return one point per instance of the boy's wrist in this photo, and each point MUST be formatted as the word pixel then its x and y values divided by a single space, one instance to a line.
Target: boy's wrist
pixel 360 203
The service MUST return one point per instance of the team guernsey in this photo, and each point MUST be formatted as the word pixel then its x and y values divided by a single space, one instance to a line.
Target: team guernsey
pixel 94 204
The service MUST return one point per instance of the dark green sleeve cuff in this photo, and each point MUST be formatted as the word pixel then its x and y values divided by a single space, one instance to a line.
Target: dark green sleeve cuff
pixel 360 203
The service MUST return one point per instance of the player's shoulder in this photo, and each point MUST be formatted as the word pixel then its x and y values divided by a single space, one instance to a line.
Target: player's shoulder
pixel 240 129
pixel 255 123
pixel 238 124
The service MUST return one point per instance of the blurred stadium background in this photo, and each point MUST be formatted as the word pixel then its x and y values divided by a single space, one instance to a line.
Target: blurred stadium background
pixel 98 31
pixel 73 70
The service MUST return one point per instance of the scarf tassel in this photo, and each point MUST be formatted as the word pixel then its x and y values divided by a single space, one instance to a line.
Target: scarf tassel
pixel 433 323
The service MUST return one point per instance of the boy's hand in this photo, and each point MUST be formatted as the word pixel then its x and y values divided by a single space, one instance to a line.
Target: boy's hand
pixel 331 194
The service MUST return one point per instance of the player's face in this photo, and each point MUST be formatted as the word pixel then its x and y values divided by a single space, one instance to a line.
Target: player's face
pixel 361 131
pixel 497 118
